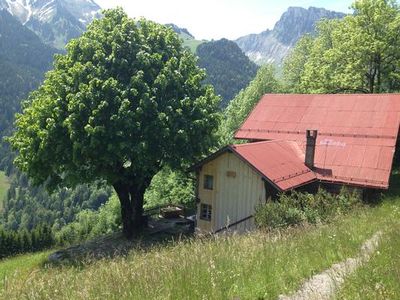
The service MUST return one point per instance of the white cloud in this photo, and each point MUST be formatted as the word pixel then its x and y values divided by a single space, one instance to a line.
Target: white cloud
pixel 215 19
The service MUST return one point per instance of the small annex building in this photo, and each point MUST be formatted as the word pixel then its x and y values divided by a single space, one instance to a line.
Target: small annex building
pixel 297 141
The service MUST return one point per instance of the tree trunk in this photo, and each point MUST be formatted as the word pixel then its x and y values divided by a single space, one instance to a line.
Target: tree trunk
pixel 378 84
pixel 131 198
pixel 122 191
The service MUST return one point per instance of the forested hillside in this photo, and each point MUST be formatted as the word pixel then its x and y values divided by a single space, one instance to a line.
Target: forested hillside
pixel 228 69
pixel 56 210
pixel 23 61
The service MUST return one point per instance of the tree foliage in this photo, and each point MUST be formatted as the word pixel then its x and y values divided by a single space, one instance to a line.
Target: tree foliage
pixel 170 187
pixel 356 54
pixel 124 101
pixel 239 108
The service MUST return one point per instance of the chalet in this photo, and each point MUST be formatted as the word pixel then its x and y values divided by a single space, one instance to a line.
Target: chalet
pixel 298 141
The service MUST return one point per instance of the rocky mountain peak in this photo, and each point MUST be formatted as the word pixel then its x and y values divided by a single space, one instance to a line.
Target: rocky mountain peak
pixel 54 21
pixel 297 20
pixel 180 31
pixel 272 46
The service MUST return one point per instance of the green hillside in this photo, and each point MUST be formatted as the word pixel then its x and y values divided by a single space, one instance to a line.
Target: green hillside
pixel 193 44
pixel 23 62
pixel 228 69
pixel 188 39
pixel 259 265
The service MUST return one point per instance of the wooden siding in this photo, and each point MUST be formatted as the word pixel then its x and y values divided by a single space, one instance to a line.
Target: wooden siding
pixel 237 190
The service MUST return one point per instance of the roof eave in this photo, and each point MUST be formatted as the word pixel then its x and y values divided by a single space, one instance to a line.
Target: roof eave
pixel 209 158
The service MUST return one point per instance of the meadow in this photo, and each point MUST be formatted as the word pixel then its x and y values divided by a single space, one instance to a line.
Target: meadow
pixel 259 265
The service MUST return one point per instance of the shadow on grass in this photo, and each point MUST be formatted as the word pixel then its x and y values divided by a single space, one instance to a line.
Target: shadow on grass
pixel 113 245
pixel 393 192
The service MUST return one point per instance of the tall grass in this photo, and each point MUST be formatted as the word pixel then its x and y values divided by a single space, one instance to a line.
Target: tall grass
pixel 258 265
pixel 380 278
pixel 20 266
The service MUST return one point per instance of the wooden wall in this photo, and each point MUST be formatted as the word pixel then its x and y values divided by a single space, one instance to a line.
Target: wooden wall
pixel 237 190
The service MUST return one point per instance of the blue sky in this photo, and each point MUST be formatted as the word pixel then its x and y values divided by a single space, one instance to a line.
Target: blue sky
pixel 215 19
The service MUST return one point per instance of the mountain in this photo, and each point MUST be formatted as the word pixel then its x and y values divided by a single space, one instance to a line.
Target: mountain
pixel 54 21
pixel 188 39
pixel 183 32
pixel 228 69
pixel 272 46
pixel 23 60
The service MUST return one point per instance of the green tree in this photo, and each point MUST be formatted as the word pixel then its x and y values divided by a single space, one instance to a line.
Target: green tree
pixel 170 187
pixel 124 101
pixel 293 66
pixel 359 53
pixel 240 107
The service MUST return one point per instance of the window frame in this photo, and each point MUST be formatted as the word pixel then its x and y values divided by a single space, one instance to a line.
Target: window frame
pixel 208 182
pixel 207 208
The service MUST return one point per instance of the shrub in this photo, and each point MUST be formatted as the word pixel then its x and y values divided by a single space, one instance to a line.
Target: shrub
pixel 295 207
pixel 279 214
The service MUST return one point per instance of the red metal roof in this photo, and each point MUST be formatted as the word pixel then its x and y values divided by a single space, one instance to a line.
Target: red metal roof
pixel 356 133
pixel 281 162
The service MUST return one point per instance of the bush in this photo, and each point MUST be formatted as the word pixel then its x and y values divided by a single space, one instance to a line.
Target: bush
pixel 295 208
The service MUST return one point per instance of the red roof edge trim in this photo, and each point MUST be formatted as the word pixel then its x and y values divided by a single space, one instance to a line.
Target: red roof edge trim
pixel 353 184
pixel 293 175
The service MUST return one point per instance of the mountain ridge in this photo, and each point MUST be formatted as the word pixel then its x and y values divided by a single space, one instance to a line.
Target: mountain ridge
pixel 272 46
pixel 54 21
pixel 24 59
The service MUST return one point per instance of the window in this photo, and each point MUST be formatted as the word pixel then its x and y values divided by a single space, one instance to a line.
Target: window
pixel 208 182
pixel 205 212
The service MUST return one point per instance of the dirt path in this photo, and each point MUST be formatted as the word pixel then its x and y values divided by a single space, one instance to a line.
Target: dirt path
pixel 325 284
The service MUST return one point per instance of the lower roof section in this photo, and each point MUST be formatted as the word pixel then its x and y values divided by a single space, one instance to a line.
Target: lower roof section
pixel 279 162
pixel 354 164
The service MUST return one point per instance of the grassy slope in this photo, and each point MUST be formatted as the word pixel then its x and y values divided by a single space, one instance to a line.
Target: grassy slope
pixel 380 277
pixel 4 185
pixel 257 265
pixel 188 41
pixel 192 44
pixel 20 266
